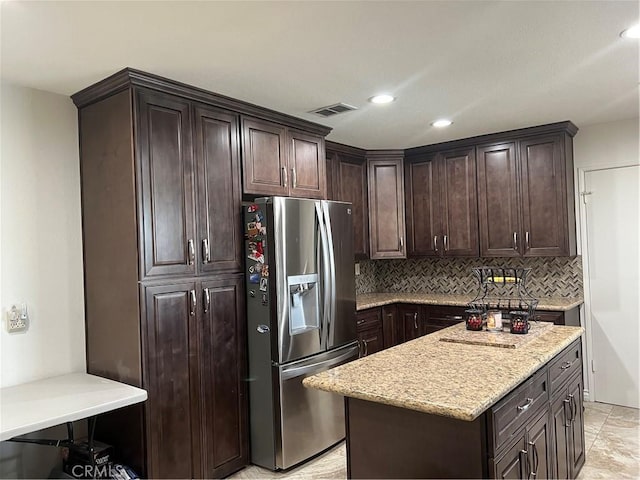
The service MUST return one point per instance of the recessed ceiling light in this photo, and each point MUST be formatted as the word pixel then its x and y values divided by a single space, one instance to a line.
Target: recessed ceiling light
pixel 382 98
pixel 441 123
pixel 631 32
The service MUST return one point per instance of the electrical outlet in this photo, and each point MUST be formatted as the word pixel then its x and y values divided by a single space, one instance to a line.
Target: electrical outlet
pixel 17 319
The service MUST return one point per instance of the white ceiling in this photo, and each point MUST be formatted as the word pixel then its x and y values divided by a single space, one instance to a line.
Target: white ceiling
pixel 489 66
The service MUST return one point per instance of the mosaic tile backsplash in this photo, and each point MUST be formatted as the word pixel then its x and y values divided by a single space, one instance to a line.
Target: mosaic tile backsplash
pixel 549 276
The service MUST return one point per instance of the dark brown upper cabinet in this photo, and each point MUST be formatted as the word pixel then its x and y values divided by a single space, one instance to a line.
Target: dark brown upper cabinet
pixel 347 182
pixel 442 215
pixel 181 236
pixel 167 188
pixel 281 161
pixel 386 204
pixel 525 197
pixel 216 147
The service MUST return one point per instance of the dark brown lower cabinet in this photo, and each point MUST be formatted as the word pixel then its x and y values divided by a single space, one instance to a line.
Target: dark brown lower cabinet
pixel 196 414
pixel 410 317
pixel 528 455
pixel 370 331
pixel 568 429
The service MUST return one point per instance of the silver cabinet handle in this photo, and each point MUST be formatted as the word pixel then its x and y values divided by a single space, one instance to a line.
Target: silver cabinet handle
pixel 568 420
pixel 525 462
pixel 445 240
pixel 366 348
pixel 415 320
pixel 515 241
pixel 294 178
pixel 435 243
pixel 525 407
pixel 192 252
pixel 526 241
pixel 193 303
pixel 574 408
pixel 565 365
pixel 401 242
pixel 206 253
pixel 207 300
pixel 284 176
pixel 533 469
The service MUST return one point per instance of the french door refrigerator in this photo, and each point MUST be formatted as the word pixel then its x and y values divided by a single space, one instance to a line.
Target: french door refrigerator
pixel 301 321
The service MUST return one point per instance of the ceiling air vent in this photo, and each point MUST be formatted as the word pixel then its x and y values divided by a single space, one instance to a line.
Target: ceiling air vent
pixel 333 109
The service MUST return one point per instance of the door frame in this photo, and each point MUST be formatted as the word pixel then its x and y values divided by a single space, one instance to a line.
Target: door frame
pixel 583 249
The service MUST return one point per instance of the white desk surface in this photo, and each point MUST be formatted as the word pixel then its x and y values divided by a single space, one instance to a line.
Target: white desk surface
pixel 56 400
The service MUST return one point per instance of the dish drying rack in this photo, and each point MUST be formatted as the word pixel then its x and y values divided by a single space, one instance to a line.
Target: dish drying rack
pixel 503 288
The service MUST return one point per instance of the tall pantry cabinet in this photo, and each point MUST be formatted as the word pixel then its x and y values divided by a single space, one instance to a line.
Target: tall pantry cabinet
pixel 164 301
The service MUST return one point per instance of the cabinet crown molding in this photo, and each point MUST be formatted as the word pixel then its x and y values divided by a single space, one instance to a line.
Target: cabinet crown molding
pixel 566 127
pixel 130 77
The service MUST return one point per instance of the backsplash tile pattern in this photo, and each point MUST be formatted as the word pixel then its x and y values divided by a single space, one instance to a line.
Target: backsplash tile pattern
pixel 549 277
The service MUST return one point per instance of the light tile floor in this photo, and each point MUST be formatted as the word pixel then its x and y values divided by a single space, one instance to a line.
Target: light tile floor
pixel 612 441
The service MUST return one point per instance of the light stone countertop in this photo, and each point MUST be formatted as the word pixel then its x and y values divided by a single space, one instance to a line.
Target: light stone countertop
pixel 450 379
pixel 371 300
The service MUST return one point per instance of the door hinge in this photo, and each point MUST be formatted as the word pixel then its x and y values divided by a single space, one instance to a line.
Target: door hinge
pixel 584 196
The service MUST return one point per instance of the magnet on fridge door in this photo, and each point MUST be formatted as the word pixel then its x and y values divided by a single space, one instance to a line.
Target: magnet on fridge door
pixel 259 217
pixel 263 284
pixel 252 229
pixel 255 251
pixel 265 270
pixel 257 267
pixel 252 208
pixel 254 278
pixel 264 299
pixel 252 269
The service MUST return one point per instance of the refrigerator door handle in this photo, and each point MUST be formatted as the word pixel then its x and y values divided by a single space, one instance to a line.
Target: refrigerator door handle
pixel 332 274
pixel 326 364
pixel 326 298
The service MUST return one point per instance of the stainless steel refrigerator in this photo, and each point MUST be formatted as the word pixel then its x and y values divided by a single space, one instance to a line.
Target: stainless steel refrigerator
pixel 301 321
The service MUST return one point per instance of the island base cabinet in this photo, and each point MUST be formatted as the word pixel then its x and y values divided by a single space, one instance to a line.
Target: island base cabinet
pixel 568 429
pixel 384 441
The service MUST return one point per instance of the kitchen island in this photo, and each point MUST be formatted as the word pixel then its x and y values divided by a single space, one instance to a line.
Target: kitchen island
pixel 431 408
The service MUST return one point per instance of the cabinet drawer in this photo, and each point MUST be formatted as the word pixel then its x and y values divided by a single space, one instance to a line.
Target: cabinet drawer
pixel 565 365
pixel 367 319
pixel 512 412
pixel 557 318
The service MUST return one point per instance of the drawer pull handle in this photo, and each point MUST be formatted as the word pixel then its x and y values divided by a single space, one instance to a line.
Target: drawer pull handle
pixel 565 365
pixel 360 322
pixel 366 348
pixel 415 320
pixel 525 407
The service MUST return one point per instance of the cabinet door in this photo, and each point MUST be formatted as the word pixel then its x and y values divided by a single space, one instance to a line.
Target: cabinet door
pixel 576 430
pixel 539 447
pixel 459 207
pixel 560 416
pixel 544 197
pixel 350 185
pixel 512 464
pixel 498 206
pixel 410 317
pixel 386 209
pixel 307 164
pixel 423 208
pixel 219 191
pixel 172 407
pixel 165 163
pixel 390 326
pixel 264 158
pixel 371 340
pixel 222 347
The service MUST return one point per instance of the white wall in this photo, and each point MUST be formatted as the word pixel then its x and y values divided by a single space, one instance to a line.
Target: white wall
pixel 40 232
pixel 607 144
pixel 40 254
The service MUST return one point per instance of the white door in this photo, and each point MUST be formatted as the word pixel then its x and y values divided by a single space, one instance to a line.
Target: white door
pixel 613 251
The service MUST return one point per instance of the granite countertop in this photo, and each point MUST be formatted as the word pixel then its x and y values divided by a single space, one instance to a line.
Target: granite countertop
pixel 370 300
pixel 455 380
